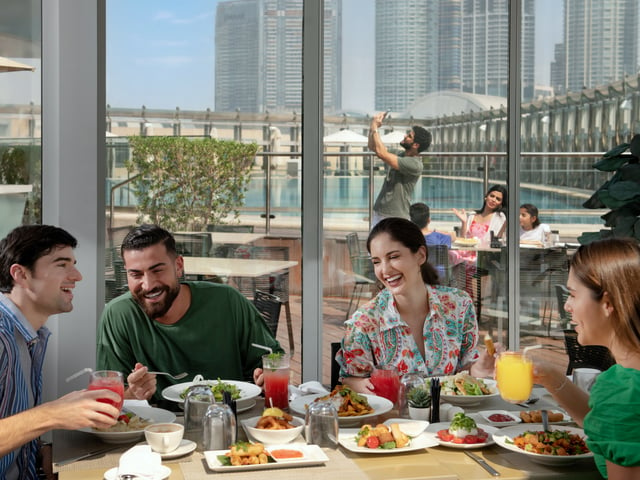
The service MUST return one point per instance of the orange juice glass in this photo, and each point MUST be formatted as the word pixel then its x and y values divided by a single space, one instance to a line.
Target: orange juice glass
pixel 514 373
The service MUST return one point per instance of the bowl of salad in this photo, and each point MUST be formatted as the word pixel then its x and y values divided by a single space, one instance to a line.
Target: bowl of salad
pixel 465 390
pixel 243 393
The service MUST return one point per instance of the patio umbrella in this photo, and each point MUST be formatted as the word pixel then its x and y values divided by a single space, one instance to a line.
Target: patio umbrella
pixel 395 136
pixel 345 136
pixel 8 65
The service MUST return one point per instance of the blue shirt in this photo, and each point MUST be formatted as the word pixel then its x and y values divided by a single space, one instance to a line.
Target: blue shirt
pixel 437 238
pixel 15 385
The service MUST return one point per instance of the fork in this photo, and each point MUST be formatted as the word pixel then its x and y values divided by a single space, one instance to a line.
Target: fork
pixel 175 377
pixel 526 403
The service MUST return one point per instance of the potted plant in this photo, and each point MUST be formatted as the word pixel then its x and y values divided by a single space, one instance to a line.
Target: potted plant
pixel 419 401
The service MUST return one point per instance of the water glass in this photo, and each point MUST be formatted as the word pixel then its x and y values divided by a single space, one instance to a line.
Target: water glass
pixel 321 425
pixel 220 429
pixel 196 402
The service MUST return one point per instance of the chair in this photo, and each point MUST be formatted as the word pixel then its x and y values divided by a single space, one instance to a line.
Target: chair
pixel 588 356
pixel 363 274
pixel 269 307
pixel 562 294
pixel 335 367
pixel 439 258
pixel 230 228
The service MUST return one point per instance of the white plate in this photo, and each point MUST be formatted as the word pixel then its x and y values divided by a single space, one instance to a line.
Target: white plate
pixel 485 414
pixel 163 472
pixel 504 435
pixel 313 455
pixel 185 448
pixel 347 438
pixel 155 415
pixel 380 405
pixel 471 400
pixel 248 392
pixel 268 437
pixel 434 428
pixel 565 417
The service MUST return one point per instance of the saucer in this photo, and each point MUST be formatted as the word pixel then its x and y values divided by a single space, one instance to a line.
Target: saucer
pixel 162 473
pixel 185 448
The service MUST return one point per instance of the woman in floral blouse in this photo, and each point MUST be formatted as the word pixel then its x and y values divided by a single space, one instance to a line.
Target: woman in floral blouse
pixel 413 324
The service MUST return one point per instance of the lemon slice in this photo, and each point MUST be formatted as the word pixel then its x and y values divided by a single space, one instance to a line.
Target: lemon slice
pixel 273 412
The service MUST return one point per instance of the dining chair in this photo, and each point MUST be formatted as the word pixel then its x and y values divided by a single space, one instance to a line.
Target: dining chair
pixel 587 356
pixel 230 228
pixel 335 367
pixel 269 307
pixel 439 258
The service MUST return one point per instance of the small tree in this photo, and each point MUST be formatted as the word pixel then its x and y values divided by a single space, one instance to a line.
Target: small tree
pixel 185 184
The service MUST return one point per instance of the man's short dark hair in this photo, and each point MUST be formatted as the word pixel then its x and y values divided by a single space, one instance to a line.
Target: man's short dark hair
pixel 24 245
pixel 422 137
pixel 419 214
pixel 146 235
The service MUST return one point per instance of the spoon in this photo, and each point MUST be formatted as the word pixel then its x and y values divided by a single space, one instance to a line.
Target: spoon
pixel 175 377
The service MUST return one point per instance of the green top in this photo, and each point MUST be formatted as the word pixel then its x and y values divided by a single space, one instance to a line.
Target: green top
pixel 212 339
pixel 613 423
pixel 397 189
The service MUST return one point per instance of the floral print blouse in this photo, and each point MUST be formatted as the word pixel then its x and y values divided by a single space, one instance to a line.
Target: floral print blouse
pixel 376 335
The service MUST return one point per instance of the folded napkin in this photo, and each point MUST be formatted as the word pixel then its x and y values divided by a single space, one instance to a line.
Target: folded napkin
pixel 307 388
pixel 141 462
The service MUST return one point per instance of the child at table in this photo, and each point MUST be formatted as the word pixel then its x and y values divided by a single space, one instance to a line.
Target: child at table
pixel 531 230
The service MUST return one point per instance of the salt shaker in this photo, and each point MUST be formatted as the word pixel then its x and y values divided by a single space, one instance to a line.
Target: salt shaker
pixel 219 424
pixel 196 402
pixel 321 425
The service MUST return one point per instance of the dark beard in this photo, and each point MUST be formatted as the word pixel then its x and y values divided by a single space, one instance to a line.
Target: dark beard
pixel 405 145
pixel 157 310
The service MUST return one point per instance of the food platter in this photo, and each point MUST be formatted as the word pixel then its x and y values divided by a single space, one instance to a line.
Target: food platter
pixel 472 400
pixel 347 438
pixel 434 428
pixel 380 405
pixel 248 392
pixel 504 437
pixel 311 455
pixel 155 415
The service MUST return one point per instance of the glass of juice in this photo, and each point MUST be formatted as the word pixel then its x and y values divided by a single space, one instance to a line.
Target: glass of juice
pixel 514 373
pixel 276 369
pixel 386 382
pixel 110 380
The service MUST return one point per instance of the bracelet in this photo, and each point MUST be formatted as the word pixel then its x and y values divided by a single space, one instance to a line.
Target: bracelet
pixel 373 132
pixel 566 379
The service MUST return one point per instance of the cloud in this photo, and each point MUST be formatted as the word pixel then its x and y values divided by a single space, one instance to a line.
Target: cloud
pixel 165 15
pixel 167 61
pixel 169 43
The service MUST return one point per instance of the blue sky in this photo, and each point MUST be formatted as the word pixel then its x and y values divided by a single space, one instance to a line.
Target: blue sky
pixel 160 53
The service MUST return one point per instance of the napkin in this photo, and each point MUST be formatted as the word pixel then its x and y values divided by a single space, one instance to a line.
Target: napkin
pixel 141 462
pixel 307 388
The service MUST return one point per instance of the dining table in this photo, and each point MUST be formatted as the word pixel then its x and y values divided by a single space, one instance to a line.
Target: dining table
pixel 439 462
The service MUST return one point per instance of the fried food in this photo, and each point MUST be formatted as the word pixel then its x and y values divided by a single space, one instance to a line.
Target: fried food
pixel 348 403
pixel 534 416
pixel 270 422
pixel 488 342
pixel 382 436
pixel 245 453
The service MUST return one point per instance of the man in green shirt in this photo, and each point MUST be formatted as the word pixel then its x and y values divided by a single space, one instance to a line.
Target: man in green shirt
pixel 166 325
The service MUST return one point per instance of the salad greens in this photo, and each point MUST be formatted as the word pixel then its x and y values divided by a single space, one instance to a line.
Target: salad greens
pixel 218 388
pixel 462 422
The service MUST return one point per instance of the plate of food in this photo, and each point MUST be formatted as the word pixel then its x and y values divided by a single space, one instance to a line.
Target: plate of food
pixel 462 432
pixel 131 425
pixel 353 408
pixel 466 242
pixel 244 456
pixel 243 392
pixel 534 416
pixel 562 445
pixel 385 438
pixel 465 390
pixel 273 426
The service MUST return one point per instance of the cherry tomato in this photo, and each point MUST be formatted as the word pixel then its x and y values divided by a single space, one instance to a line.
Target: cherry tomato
pixel 373 442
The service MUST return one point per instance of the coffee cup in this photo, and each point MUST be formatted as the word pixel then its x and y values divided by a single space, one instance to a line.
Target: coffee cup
pixel 164 437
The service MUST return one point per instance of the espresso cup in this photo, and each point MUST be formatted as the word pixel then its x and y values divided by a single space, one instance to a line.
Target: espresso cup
pixel 164 437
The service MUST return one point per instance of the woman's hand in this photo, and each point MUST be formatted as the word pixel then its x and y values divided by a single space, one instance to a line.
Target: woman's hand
pixel 461 214
pixel 359 384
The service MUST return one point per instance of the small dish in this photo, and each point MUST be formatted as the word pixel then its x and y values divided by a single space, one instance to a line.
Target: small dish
pixel 185 448
pixel 162 473
pixel 311 455
pixel 507 418
pixel 269 437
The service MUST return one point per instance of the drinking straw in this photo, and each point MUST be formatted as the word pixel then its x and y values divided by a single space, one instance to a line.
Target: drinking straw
pixel 78 373
pixel 257 345
pixel 531 347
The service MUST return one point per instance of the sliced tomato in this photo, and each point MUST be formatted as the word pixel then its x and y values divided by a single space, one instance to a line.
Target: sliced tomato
pixel 445 436
pixel 373 442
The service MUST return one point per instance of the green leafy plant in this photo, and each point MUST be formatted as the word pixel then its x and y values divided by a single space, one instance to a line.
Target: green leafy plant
pixel 21 165
pixel 620 194
pixel 419 397
pixel 186 184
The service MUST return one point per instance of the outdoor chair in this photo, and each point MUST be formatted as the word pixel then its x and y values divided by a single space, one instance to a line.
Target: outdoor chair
pixel 439 258
pixel 363 274
pixel 335 367
pixel 269 307
pixel 587 356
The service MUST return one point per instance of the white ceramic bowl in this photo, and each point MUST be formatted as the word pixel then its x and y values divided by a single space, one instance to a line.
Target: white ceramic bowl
pixel 271 437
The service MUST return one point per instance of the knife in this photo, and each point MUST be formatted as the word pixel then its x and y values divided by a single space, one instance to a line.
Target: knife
pixel 483 463
pixel 86 455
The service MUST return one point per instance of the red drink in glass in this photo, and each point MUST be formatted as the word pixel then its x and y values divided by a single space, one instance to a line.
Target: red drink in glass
pixel 386 383
pixel 276 381
pixel 109 380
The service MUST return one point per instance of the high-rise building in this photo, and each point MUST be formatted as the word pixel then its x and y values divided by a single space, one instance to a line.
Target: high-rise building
pixel 600 42
pixel 427 46
pixel 258 65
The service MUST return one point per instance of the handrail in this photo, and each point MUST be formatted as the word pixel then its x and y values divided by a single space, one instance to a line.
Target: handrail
pixel 112 196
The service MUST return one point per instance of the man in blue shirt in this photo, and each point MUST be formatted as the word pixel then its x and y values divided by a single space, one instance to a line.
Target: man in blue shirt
pixel 37 276
pixel 421 216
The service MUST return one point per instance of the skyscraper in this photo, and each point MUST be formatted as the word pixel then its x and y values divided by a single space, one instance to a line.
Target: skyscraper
pixel 258 65
pixel 600 43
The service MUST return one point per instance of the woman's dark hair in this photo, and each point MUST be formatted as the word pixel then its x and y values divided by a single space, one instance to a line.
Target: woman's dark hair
pixel 505 202
pixel 407 233
pixel 24 245
pixel 532 210
pixel 147 235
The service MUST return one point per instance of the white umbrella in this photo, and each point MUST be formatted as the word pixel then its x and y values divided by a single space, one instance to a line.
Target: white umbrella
pixel 395 136
pixel 8 65
pixel 345 136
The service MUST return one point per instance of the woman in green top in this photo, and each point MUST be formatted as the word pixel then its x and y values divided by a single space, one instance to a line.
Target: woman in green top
pixel 604 303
